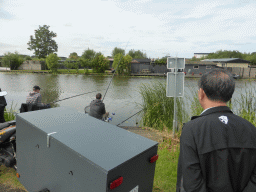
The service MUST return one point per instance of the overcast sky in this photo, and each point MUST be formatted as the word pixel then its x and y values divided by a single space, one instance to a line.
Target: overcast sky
pixel 159 28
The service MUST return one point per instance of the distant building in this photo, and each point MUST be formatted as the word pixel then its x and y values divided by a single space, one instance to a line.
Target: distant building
pixel 200 55
pixel 111 60
pixel 198 67
pixel 230 62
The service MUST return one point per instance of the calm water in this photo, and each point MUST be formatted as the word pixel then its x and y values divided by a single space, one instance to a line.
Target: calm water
pixel 122 97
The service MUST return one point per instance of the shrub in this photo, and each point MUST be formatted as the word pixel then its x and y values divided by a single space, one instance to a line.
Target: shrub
pixel 12 60
pixel 100 64
pixel 52 62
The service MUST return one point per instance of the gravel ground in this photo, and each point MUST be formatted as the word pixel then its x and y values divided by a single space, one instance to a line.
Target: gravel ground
pixel 5 188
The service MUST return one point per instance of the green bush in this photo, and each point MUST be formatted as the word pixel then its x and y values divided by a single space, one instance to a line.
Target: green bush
pixel 100 64
pixel 12 60
pixel 52 62
pixel 122 64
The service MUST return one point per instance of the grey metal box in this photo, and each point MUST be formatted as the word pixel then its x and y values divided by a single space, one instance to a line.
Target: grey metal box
pixel 84 155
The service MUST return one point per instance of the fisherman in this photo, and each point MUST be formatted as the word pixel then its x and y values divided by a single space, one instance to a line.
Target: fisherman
pixel 36 98
pixel 217 148
pixel 97 108
pixel 2 106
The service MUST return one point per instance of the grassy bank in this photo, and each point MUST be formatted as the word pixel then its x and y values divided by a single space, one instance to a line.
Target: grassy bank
pixel 61 71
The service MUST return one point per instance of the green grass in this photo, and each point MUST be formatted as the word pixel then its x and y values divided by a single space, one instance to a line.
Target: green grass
pixel 9 114
pixel 166 166
pixel 63 71
pixel 8 177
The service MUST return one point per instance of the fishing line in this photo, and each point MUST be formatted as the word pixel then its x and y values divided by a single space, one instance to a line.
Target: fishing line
pixel 129 117
pixel 72 97
pixel 114 72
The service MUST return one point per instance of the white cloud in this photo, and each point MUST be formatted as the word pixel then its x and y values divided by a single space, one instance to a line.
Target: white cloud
pixel 182 27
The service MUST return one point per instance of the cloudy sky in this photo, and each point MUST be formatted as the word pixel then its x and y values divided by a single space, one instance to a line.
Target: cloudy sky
pixel 159 28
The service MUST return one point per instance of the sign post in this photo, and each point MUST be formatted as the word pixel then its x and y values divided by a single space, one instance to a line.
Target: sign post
pixel 175 83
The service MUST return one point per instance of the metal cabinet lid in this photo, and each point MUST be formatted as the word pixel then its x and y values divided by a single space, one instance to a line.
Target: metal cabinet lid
pixel 103 144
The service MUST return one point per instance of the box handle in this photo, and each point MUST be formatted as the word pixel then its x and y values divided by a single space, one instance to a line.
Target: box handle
pixel 48 138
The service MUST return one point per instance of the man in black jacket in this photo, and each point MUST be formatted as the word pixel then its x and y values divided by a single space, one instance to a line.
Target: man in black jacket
pixel 217 148
pixel 2 106
pixel 97 108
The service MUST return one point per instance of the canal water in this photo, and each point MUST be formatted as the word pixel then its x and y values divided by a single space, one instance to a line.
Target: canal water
pixel 123 97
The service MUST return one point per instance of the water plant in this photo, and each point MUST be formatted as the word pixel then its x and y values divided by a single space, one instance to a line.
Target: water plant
pixel 158 109
pixel 246 106
pixel 10 114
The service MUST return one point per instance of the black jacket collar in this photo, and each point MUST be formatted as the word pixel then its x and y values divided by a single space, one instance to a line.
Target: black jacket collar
pixel 213 110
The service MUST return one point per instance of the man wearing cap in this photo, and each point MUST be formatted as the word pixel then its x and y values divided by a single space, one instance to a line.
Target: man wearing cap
pixel 35 97
pixel 97 108
pixel 2 105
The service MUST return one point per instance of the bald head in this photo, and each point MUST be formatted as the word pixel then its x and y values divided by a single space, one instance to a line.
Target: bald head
pixel 218 85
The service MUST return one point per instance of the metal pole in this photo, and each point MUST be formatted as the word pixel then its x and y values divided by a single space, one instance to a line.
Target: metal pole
pixel 174 111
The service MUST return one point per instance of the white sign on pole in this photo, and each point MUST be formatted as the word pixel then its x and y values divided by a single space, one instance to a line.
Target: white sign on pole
pixel 172 60
pixel 170 89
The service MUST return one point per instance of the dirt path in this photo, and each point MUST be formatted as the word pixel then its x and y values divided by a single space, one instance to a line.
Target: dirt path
pixel 5 188
pixel 150 133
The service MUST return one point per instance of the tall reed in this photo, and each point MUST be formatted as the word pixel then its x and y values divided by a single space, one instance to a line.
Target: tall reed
pixel 196 108
pixel 10 114
pixel 246 106
pixel 158 109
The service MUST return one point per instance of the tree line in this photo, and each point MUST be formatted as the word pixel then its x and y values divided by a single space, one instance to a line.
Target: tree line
pixel 45 48
pixel 230 54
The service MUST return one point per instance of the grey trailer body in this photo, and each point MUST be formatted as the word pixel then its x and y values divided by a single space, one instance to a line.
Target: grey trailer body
pixel 83 154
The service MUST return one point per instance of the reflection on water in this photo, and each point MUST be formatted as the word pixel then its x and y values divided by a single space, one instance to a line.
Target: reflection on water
pixel 51 90
pixel 121 98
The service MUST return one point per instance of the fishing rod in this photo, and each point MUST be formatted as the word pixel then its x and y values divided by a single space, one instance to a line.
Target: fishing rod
pixel 114 73
pixel 129 117
pixel 72 97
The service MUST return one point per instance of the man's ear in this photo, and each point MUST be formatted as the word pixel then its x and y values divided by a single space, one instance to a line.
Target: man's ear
pixel 201 94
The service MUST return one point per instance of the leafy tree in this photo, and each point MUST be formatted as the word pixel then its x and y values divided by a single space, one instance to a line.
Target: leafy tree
pixel 89 54
pixel 43 44
pixel 52 62
pixel 251 58
pixel 137 54
pixel 100 64
pixel 73 56
pixel 117 51
pixel 122 64
pixel 85 63
pixel 98 54
pixel 27 58
pixel 12 60
pixel 76 65
pixel 161 61
pixel 225 54
pixel 68 64
pixel 197 59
